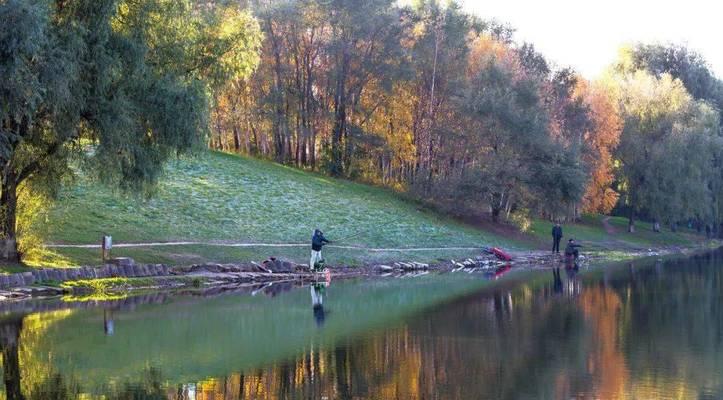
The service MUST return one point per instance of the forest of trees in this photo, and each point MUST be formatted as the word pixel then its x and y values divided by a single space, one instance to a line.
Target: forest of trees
pixel 426 99
pixel 447 107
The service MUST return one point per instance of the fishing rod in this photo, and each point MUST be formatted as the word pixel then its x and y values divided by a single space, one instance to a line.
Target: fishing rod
pixel 354 235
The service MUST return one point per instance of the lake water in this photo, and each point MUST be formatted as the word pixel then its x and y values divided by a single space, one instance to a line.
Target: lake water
pixel 646 330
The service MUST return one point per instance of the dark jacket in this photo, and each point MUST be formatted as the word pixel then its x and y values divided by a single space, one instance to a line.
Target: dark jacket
pixel 571 248
pixel 318 241
pixel 557 232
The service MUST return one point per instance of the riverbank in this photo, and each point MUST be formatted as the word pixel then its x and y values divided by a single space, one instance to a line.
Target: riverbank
pixel 124 276
pixel 220 208
pixel 243 330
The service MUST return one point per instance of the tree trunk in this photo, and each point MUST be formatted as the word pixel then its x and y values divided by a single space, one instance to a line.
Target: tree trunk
pixel 312 150
pixel 255 140
pixel 236 139
pixel 279 132
pixel 631 220
pixel 338 132
pixel 8 218
pixel 496 213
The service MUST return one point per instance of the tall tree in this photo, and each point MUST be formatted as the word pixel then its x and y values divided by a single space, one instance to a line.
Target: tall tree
pixel 570 119
pixel 86 72
pixel 601 140
pixel 695 74
pixel 510 129
pixel 364 45
pixel 663 123
pixel 441 43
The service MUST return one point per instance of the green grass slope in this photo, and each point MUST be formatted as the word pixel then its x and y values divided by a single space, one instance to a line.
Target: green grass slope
pixel 591 231
pixel 225 198
pixel 222 198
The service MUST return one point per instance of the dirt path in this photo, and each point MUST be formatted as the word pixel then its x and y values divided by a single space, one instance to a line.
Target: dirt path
pixel 272 245
pixel 608 228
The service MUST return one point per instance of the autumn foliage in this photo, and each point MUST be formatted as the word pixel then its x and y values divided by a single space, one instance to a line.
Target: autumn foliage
pixel 447 107
pixel 602 139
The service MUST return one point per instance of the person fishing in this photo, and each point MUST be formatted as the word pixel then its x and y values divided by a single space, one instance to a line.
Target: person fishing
pixel 317 242
pixel 556 237
pixel 571 250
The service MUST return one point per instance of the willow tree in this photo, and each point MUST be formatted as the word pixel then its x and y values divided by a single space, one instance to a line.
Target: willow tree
pixel 679 62
pixel 508 125
pixel 665 148
pixel 702 84
pixel 84 79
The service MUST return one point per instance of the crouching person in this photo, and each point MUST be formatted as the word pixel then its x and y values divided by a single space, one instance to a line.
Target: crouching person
pixel 571 250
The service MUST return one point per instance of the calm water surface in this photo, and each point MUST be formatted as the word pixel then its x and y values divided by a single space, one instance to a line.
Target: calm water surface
pixel 641 331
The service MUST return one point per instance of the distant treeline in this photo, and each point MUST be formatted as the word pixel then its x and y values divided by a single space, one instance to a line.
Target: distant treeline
pixel 447 106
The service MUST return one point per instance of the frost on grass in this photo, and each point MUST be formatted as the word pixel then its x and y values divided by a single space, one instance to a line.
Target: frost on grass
pixel 221 197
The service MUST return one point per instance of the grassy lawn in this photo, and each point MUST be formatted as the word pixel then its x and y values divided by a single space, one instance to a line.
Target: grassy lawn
pixel 593 234
pixel 221 197
pixel 11 268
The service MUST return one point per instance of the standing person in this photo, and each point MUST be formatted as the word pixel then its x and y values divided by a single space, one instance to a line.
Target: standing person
pixel 317 242
pixel 556 237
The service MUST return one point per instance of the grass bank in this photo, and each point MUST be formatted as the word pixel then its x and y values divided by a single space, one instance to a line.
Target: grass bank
pixel 221 198
pixel 225 198
pixel 603 233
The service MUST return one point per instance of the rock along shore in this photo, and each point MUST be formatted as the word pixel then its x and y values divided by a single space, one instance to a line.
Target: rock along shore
pixel 48 281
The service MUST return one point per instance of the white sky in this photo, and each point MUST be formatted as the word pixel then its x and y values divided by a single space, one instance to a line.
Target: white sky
pixel 587 34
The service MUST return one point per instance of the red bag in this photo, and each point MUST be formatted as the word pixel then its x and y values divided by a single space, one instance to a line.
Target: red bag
pixel 501 255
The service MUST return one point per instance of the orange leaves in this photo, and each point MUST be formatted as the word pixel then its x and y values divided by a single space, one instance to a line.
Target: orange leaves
pixel 484 49
pixel 601 141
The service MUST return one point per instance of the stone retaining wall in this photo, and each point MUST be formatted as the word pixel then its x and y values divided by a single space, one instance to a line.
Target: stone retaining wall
pixel 38 276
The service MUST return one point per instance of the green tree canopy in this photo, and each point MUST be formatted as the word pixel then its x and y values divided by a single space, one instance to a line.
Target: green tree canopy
pixel 665 148
pixel 106 81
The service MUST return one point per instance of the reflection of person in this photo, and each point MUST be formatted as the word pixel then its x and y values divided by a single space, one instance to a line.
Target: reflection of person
pixel 556 237
pixel 557 282
pixel 317 302
pixel 108 322
pixel 573 282
pixel 572 272
pixel 317 242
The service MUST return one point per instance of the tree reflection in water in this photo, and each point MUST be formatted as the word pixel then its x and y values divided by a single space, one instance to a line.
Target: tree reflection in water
pixel 9 341
pixel 640 332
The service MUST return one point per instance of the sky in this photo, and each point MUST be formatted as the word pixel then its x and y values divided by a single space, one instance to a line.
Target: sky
pixel 587 34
